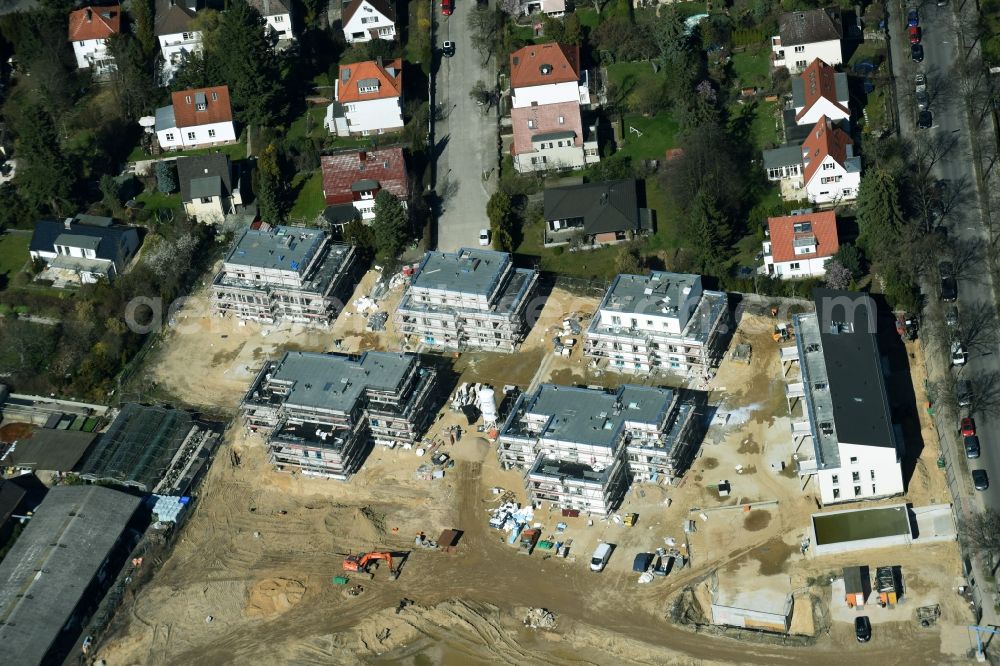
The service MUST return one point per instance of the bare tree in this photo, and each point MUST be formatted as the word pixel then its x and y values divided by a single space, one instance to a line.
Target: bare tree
pixel 977 326
pixel 968 259
pixel 486 26
pixel 982 533
pixel 985 398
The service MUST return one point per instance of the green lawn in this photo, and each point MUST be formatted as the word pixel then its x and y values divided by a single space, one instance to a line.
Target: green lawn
pixel 309 202
pixel 13 254
pixel 309 124
pixel 236 151
pixel 668 234
pixel 588 17
pixel 630 76
pixel 156 201
pixel 764 129
pixel 658 134
pixel 589 264
pixel 752 67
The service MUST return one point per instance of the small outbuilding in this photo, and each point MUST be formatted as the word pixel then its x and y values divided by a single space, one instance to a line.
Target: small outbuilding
pixel 857 586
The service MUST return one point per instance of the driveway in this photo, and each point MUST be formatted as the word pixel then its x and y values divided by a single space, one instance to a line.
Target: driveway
pixel 940 32
pixel 466 138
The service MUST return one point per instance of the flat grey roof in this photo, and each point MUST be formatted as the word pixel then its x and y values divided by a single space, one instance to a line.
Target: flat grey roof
pixel 165 118
pixel 649 294
pixel 591 416
pixel 467 271
pixel 50 449
pixel 281 248
pixel 43 577
pixel 567 469
pixel 337 381
pixel 787 155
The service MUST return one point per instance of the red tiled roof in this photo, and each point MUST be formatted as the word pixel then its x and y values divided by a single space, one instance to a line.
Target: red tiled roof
pixel 343 170
pixel 94 23
pixel 824 139
pixel 818 81
pixel 217 107
pixel 545 119
pixel 541 64
pixel 389 78
pixel 783 235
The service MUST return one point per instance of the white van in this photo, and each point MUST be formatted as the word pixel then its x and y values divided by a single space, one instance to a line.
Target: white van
pixel 600 557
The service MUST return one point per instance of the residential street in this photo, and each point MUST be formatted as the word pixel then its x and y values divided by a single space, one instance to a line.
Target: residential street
pixel 465 138
pixel 965 224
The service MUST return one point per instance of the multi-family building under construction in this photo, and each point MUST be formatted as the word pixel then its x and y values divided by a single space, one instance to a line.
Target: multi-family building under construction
pixel 322 413
pixel 582 448
pixel 284 273
pixel 470 299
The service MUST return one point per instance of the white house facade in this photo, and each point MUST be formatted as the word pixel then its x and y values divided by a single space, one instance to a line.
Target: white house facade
pixel 800 244
pixel 365 20
pixel 175 32
pixel 805 36
pixel 197 118
pixel 278 21
pixel 89 30
pixel 368 99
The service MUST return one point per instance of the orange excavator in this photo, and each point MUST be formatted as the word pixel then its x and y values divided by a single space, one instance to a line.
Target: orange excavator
pixel 362 562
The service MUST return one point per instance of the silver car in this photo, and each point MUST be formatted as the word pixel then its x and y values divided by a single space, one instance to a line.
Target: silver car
pixel 923 100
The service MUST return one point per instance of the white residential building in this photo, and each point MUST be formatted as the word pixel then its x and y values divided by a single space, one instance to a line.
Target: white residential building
pixel 662 322
pixel 839 403
pixel 820 91
pixel 805 36
pixel 89 30
pixel 822 169
pixel 549 90
pixel 368 99
pixel 83 249
pixel 581 448
pixel 210 187
pixel 365 20
pixel 196 119
pixel 800 244
pixel 470 299
pixel 175 31
pixel 278 19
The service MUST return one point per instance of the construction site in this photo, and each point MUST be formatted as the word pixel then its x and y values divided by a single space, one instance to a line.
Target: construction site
pixel 431 552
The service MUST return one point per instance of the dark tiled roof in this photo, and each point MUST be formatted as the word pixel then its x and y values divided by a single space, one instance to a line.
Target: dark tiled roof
pixel 808 27
pixel 172 18
pixel 204 166
pixel 604 207
pixel 47 231
pixel 383 7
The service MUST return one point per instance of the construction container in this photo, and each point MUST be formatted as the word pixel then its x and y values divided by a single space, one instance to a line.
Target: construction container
pixel 340 580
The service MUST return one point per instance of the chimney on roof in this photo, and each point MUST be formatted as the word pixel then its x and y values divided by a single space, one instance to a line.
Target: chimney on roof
pixel 362 156
pixel 378 60
pixel 88 12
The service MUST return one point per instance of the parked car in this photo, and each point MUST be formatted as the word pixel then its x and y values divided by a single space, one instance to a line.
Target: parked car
pixel 957 353
pixel 963 392
pixel 980 480
pixel 642 562
pixel 914 34
pixel 925 120
pixel 949 286
pixel 917 52
pixel 972 447
pixel 968 427
pixel 447 7
pixel 601 555
pixel 942 3
pixel 951 317
pixel 448 49
pixel 912 18
pixel 923 100
pixel 484 237
pixel 862 628
pixel 920 82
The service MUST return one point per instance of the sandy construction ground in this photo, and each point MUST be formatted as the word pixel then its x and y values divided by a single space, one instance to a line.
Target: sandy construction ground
pixel 251 578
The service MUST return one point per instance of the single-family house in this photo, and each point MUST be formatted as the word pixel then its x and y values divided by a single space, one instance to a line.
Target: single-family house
pixel 800 244
pixel 368 99
pixel 553 8
pixel 365 20
pixel 83 249
pixel 89 30
pixel 595 213
pixel 805 36
pixel 353 178
pixel 823 169
pixel 210 187
pixel 196 119
pixel 820 91
pixel 549 90
pixel 845 414
pixel 277 15
pixel 174 29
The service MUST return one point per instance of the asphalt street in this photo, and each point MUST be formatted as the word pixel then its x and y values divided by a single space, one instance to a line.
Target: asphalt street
pixel 466 137
pixel 964 224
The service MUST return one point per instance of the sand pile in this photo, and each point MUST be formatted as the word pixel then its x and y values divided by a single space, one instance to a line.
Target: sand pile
pixel 364 525
pixel 273 596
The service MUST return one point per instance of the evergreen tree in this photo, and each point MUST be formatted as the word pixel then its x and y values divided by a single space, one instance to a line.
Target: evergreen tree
pixel 132 79
pixel 166 177
pixel 499 210
pixel 879 215
pixel 708 234
pixel 143 18
pixel 272 195
pixel 44 176
pixel 390 226
pixel 360 235
pixel 248 64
